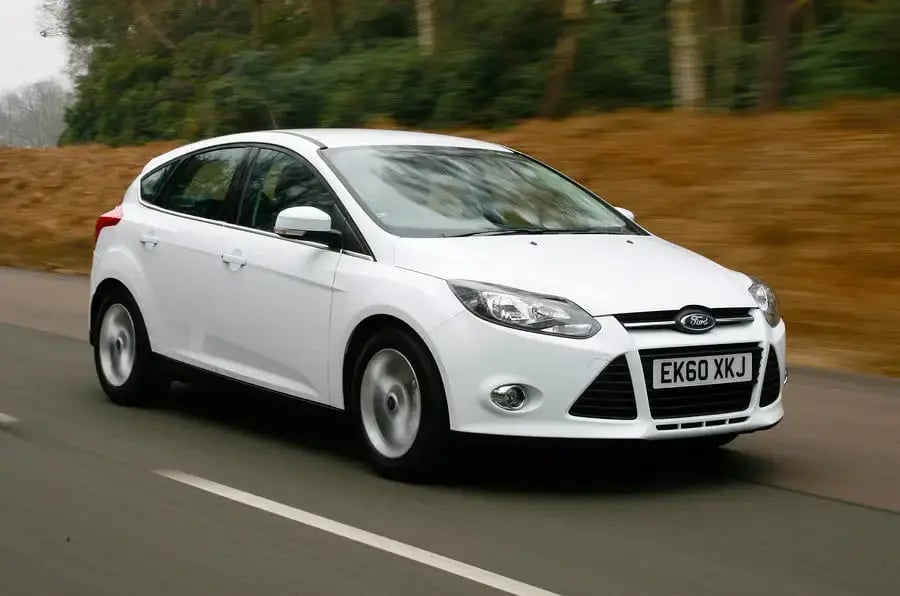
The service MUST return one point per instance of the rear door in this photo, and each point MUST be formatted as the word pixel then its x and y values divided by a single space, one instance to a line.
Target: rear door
pixel 274 297
pixel 181 244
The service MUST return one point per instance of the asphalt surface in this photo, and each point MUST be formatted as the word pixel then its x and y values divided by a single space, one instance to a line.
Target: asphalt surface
pixel 810 507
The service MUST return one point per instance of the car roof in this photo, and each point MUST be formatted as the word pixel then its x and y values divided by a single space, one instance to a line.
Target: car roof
pixel 330 137
pixel 358 137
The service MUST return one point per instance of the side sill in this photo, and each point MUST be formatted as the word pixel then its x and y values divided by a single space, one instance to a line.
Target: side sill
pixel 188 373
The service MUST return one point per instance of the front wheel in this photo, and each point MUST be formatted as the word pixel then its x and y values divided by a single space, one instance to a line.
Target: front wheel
pixel 400 406
pixel 122 356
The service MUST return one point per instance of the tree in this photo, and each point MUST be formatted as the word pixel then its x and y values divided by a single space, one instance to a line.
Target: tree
pixel 181 69
pixel 324 17
pixel 33 115
pixel 686 60
pixel 776 30
pixel 563 56
pixel 426 23
pixel 726 19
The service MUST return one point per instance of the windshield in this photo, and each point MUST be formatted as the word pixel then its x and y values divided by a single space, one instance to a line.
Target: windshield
pixel 451 191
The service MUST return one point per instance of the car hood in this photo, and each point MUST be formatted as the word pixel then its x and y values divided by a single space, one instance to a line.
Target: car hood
pixel 604 274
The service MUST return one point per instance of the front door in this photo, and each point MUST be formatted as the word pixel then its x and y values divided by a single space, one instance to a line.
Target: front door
pixel 274 300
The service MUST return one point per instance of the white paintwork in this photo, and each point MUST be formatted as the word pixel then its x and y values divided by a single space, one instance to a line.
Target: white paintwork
pixel 626 212
pixel 272 314
pixel 382 543
pixel 279 313
pixel 294 221
pixel 604 274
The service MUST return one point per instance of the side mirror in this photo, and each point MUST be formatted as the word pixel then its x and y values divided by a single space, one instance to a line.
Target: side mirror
pixel 306 223
pixel 294 222
pixel 626 212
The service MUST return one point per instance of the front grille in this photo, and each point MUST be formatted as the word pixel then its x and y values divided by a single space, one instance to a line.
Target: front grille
pixel 771 384
pixel 610 395
pixel 681 402
pixel 662 319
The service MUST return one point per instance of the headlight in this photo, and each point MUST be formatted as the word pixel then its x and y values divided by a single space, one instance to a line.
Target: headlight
pixel 767 300
pixel 523 310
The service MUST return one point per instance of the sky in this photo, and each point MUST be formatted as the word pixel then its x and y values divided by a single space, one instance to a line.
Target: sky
pixel 25 56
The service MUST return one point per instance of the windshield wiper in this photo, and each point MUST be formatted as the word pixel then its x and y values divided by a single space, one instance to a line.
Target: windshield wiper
pixel 514 231
pixel 498 232
pixel 614 230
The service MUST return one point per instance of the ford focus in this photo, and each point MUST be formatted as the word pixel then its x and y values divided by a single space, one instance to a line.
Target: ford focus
pixel 424 284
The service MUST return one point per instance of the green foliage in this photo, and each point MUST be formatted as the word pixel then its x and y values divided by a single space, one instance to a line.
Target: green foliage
pixel 858 54
pixel 162 69
pixel 623 57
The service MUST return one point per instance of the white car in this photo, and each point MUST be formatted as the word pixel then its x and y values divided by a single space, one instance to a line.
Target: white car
pixel 424 284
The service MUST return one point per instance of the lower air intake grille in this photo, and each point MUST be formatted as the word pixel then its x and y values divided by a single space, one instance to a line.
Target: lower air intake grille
pixel 611 395
pixel 771 385
pixel 682 402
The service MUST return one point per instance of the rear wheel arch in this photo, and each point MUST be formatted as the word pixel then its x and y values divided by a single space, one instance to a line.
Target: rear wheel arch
pixel 104 289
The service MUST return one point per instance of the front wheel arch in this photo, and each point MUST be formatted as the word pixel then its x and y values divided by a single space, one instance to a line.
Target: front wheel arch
pixel 363 331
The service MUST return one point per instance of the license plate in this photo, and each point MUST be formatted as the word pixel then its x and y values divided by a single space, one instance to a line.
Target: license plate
pixel 702 370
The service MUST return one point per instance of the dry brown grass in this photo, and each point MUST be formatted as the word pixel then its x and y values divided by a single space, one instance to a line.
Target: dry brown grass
pixel 808 201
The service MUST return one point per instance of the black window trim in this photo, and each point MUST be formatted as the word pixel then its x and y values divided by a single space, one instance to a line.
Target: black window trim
pixel 252 148
pixel 163 183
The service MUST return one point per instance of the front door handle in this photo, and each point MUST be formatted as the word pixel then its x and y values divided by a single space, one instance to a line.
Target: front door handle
pixel 234 259
pixel 148 240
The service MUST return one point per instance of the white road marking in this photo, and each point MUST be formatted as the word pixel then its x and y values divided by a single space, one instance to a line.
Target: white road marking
pixel 6 420
pixel 464 570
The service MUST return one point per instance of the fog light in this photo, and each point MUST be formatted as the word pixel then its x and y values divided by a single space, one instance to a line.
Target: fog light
pixel 508 397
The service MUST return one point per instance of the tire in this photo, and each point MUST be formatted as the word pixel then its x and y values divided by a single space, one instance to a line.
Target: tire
pixel 120 332
pixel 420 452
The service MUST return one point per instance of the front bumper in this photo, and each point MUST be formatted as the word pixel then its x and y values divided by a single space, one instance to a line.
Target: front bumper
pixel 476 356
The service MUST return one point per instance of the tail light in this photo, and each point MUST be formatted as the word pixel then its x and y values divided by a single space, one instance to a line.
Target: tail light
pixel 110 218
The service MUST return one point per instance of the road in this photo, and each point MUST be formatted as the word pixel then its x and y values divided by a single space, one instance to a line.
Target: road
pixel 811 507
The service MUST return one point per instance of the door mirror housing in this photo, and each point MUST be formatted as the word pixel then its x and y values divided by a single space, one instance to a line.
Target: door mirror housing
pixel 307 223
pixel 295 222
pixel 626 212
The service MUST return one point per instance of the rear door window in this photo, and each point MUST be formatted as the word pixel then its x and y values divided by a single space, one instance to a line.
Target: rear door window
pixel 202 183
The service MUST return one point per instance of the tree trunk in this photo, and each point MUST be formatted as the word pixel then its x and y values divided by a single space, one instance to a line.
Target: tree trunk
pixel 143 16
pixel 256 18
pixel 563 58
pixel 726 50
pixel 776 29
pixel 426 21
pixel 323 18
pixel 686 61
pixel 803 11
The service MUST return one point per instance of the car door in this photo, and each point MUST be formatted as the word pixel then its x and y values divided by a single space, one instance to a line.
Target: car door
pixel 274 297
pixel 181 240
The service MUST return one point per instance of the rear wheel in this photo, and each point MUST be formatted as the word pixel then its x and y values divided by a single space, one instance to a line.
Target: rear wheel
pixel 125 364
pixel 399 406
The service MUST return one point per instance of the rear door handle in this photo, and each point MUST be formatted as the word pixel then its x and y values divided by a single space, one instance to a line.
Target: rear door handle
pixel 148 240
pixel 234 259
